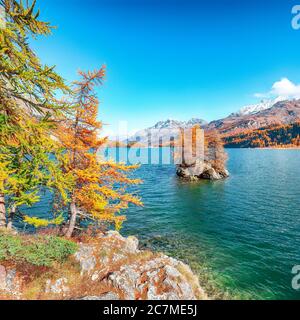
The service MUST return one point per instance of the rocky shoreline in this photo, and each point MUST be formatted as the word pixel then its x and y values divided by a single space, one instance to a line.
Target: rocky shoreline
pixel 108 267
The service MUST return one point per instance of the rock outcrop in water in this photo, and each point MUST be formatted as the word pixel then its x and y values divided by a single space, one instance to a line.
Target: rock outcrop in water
pixel 202 156
pixel 201 170
pixel 109 267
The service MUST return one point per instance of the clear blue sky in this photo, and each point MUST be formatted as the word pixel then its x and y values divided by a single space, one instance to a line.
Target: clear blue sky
pixel 173 59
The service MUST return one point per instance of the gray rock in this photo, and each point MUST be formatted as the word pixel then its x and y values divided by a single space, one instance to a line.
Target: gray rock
pixel 131 244
pixel 106 296
pixel 211 174
pixel 225 173
pixel 117 257
pixel 160 278
pixel 115 235
pixel 186 290
pixel 153 295
pixel 9 282
pixel 126 280
pixel 201 170
pixel 85 256
pixel 95 276
pixel 59 286
pixel 172 272
pixel 193 170
pixel 138 276
pixel 2 278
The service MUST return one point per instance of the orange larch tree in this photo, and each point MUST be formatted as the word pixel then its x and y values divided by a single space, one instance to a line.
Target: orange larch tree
pixel 100 187
pixel 214 150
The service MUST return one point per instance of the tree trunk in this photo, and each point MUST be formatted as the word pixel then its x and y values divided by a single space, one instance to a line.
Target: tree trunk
pixel 73 217
pixel 10 217
pixel 2 212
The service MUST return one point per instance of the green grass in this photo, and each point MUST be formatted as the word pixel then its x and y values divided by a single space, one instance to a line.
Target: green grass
pixel 36 250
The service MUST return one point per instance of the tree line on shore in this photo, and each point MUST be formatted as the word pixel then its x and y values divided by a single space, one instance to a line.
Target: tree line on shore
pixel 277 135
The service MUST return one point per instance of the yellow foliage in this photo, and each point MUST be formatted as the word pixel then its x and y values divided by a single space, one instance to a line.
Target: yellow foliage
pixel 99 189
pixel 38 223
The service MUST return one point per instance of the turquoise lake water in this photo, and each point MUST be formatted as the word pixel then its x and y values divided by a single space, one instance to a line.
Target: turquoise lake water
pixel 244 232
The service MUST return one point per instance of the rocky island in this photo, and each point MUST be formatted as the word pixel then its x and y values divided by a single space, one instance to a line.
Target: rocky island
pixel 202 156
pixel 200 170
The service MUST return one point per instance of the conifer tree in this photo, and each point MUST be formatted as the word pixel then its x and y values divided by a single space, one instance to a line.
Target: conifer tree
pixel 94 192
pixel 24 82
pixel 214 150
pixel 31 165
pixel 28 105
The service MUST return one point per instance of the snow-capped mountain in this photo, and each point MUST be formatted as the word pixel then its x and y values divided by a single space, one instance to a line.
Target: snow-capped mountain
pixel 171 124
pixel 255 108
pixel 164 130
pixel 279 111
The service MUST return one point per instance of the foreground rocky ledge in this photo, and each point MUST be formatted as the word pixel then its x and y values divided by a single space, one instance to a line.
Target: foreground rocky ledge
pixel 109 267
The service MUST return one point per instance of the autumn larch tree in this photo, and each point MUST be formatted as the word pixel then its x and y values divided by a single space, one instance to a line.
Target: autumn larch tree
pixel 214 150
pixel 31 165
pixel 27 102
pixel 99 186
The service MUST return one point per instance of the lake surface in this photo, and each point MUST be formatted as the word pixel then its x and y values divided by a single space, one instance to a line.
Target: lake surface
pixel 242 235
pixel 244 230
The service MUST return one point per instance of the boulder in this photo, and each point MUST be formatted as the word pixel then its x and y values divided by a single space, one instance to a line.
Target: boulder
pixel 192 170
pixel 134 273
pixel 85 256
pixel 131 244
pixel 162 278
pixel 211 174
pixel 201 170
pixel 10 283
pixel 59 286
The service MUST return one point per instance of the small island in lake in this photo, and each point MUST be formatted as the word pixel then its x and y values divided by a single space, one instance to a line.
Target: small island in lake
pixel 202 155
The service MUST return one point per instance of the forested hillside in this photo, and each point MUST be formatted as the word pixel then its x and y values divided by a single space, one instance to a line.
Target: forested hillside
pixel 272 136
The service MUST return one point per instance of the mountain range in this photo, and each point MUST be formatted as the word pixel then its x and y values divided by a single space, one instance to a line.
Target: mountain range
pixel 268 113
pixel 164 130
pixel 255 108
pixel 280 113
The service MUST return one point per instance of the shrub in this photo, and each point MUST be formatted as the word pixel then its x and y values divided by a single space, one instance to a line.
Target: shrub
pixel 36 250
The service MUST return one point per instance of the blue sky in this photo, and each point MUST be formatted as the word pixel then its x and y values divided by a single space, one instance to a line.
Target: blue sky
pixel 173 59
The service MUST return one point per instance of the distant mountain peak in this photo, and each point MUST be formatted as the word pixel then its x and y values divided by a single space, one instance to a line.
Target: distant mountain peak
pixel 167 124
pixel 279 111
pixel 269 112
pixel 255 108
pixel 173 124
pixel 167 127
pixel 195 121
